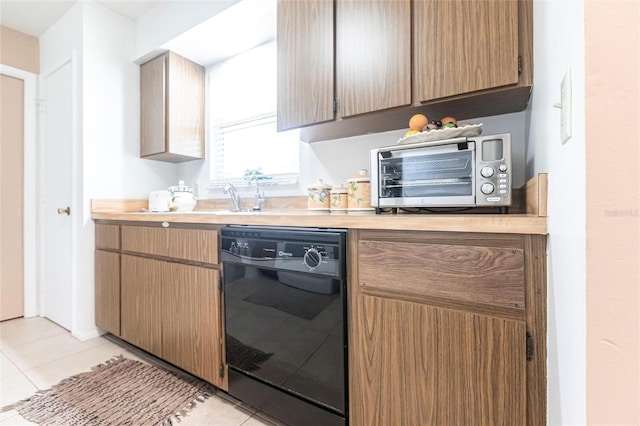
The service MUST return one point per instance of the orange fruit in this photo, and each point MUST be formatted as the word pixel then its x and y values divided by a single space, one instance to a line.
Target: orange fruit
pixel 418 121
pixel 449 120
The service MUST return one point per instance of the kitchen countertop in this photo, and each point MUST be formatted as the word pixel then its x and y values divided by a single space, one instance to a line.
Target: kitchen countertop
pixel 489 223
pixel 533 221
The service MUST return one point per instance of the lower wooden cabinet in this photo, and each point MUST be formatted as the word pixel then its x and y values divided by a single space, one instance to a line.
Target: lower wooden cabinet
pixel 191 327
pixel 107 291
pixel 141 302
pixel 447 329
pixel 161 292
pixel 414 364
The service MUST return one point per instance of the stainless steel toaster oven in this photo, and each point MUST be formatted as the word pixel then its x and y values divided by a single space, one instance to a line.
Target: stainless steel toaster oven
pixel 460 172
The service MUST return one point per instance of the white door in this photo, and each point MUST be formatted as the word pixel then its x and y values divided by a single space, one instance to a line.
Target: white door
pixel 56 193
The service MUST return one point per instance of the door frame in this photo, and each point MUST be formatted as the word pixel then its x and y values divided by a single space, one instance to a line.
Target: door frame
pixel 30 223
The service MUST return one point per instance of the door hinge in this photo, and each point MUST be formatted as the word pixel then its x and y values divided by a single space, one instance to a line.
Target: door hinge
pixel 335 105
pixel 529 345
pixel 221 370
pixel 519 64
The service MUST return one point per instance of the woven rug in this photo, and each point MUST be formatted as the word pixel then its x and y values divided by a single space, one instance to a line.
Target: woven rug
pixel 119 392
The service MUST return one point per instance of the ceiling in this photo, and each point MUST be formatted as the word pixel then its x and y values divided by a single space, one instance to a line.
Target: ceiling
pixel 34 17
pixel 244 25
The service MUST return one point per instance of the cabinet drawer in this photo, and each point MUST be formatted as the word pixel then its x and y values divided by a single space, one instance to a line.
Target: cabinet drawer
pixel 491 276
pixel 107 236
pixel 196 245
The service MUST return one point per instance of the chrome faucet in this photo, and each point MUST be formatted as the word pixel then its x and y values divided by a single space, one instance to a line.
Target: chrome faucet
pixel 258 199
pixel 233 193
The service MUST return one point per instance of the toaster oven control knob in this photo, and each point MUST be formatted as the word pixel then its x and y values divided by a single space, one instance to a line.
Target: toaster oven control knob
pixel 312 258
pixel 487 188
pixel 487 172
pixel 502 167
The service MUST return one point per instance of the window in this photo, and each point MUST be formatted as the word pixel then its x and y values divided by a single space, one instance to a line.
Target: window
pixel 244 140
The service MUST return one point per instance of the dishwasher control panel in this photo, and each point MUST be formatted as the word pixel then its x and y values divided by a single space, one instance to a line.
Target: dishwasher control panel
pixel 295 249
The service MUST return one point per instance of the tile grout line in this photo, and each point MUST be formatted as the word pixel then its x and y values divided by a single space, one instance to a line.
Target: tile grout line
pixel 26 373
pixel 20 370
pixel 236 405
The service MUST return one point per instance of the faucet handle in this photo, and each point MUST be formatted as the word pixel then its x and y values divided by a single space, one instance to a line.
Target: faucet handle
pixel 259 200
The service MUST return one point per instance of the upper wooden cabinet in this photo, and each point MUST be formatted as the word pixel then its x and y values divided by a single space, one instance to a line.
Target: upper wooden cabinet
pixel 373 59
pixel 373 55
pixel 395 58
pixel 463 47
pixel 171 109
pixel 305 62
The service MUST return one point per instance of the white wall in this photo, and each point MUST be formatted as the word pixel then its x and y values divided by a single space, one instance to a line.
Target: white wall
pixel 108 164
pixel 169 19
pixel 558 46
pixel 111 82
pixel 337 160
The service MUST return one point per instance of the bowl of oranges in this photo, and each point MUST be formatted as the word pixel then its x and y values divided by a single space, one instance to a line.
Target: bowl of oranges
pixel 421 129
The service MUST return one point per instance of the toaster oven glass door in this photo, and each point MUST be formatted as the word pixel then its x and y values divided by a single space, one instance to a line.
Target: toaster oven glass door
pixel 428 176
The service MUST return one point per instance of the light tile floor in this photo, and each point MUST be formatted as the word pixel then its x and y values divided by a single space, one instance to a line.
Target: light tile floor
pixel 36 353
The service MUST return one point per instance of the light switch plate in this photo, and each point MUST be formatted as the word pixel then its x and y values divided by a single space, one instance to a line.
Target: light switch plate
pixel 565 102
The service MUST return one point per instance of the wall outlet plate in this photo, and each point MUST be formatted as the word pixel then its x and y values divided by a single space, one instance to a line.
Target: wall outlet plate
pixel 565 105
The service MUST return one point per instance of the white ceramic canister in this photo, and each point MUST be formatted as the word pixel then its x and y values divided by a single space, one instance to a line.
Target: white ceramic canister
pixel 319 200
pixel 359 196
pixel 182 197
pixel 339 202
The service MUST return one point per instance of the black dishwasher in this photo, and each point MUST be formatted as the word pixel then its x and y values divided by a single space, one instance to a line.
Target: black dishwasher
pixel 285 321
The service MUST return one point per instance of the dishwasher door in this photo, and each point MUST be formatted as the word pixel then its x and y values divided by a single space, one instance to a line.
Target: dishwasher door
pixel 285 303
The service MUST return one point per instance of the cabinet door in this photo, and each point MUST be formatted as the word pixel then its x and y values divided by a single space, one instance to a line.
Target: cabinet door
pixel 152 106
pixel 305 62
pixel 191 321
pixel 463 46
pixel 107 288
pixel 185 108
pixel 413 364
pixel 373 55
pixel 171 109
pixel 141 301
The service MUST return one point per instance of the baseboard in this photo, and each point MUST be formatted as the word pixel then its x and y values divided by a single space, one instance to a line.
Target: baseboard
pixel 92 334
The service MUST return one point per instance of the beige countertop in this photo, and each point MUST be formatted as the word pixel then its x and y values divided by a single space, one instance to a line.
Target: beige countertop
pixel 291 211
pixel 490 223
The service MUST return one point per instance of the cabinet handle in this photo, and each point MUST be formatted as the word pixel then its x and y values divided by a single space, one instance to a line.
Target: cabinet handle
pixel 529 344
pixel 66 211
